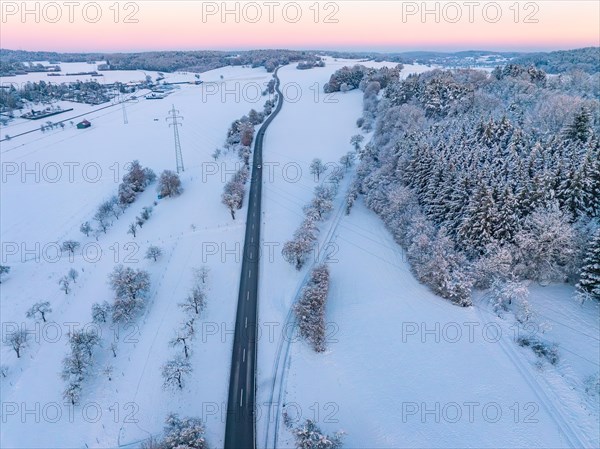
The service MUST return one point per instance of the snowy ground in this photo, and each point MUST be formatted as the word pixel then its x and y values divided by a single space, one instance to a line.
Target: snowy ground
pixel 51 208
pixel 398 352
pixel 373 383
pixel 378 375
pixel 109 76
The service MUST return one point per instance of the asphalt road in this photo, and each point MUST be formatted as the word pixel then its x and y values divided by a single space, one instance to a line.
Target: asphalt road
pixel 240 422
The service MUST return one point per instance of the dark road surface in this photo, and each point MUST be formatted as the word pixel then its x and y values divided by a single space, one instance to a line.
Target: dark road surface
pixel 240 425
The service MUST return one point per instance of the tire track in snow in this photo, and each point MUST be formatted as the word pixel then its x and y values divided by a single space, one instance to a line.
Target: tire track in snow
pixel 571 435
pixel 282 361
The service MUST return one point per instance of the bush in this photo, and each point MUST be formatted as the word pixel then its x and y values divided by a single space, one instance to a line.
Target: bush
pixel 169 184
pixel 541 349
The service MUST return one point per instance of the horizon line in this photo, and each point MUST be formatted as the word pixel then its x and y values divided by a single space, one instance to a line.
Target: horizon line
pixel 317 50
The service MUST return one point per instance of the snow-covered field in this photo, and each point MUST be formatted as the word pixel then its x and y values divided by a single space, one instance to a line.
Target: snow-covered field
pixel 123 76
pixel 379 379
pixel 395 374
pixel 405 369
pixel 36 212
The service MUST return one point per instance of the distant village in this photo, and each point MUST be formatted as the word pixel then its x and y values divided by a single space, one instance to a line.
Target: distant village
pixel 36 100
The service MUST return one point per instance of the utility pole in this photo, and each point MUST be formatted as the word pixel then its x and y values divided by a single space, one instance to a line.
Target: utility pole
pixel 175 124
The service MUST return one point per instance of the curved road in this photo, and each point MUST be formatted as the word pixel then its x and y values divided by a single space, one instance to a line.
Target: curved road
pixel 240 425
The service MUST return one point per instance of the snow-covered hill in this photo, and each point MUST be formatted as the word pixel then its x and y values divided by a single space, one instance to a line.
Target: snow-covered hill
pixel 395 373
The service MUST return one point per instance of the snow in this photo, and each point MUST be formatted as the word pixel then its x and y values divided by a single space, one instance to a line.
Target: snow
pixel 362 382
pixel 376 380
pixel 109 76
pixel 374 370
pixel 194 229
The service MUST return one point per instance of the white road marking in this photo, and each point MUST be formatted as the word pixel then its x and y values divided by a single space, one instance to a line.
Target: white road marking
pixel 249 273
pixel 242 397
pixel 247 296
pixel 244 355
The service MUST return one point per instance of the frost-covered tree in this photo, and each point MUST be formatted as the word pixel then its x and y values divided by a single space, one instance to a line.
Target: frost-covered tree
pixel 132 229
pixel 317 168
pixel 152 443
pixel 256 118
pixel 506 293
pixel 147 212
pixel 72 393
pixel 195 302
pixel 175 371
pixel 115 209
pixel 138 178
pixel 169 184
pixel 580 128
pixel 130 287
pixel 65 284
pixel 310 309
pixel 4 270
pixel 129 283
pixel 78 363
pixel 102 219
pixel 347 160
pixel 546 245
pixel 589 282
pixel 153 252
pixel 86 228
pixel 73 275
pixel 70 246
pixel 126 194
pixel 496 262
pixel 183 340
pixel 233 199
pixel 201 274
pixel 39 310
pixel 234 191
pixel 309 436
pixel 125 310
pixel 17 341
pixel 320 205
pixel 296 250
pixel 101 312
pixel 184 433
pixel 351 197
pixel 356 141
pixel 84 341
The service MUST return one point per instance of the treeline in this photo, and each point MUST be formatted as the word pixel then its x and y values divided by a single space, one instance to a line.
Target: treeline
pixel 312 63
pixel 583 59
pixel 42 91
pixel 349 78
pixel 239 139
pixel 164 61
pixel 134 182
pixel 310 309
pixel 485 178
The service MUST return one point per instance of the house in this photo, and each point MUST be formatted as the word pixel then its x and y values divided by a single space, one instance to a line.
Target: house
pixel 83 125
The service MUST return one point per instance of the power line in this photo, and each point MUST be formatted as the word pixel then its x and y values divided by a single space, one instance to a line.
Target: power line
pixel 125 121
pixel 175 124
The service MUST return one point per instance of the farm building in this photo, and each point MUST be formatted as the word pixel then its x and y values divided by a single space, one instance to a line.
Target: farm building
pixel 83 125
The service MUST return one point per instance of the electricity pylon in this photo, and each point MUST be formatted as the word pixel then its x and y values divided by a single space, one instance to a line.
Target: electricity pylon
pixel 175 124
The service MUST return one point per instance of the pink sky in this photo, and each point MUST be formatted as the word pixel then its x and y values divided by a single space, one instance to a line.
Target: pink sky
pixel 360 25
